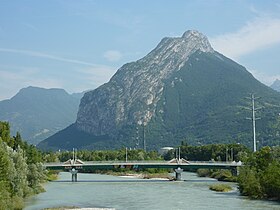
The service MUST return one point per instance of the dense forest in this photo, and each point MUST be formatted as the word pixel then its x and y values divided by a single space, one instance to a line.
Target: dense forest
pixel 21 171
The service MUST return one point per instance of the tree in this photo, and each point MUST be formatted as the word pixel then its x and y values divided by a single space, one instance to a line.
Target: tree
pixel 19 182
pixel 248 183
pixel 271 180
pixel 35 176
pixel 5 132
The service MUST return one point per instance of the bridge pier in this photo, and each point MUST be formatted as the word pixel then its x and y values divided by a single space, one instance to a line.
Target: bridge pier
pixel 74 174
pixel 235 171
pixel 178 174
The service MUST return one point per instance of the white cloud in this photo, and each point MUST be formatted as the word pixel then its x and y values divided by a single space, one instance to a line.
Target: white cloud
pixel 113 55
pixel 98 75
pixel 45 55
pixel 257 34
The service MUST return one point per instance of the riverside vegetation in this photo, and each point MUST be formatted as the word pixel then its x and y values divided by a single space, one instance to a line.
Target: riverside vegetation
pixel 258 179
pixel 114 155
pixel 220 187
pixel 21 171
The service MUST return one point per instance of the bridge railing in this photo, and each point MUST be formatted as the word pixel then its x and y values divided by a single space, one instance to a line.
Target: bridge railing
pixel 149 162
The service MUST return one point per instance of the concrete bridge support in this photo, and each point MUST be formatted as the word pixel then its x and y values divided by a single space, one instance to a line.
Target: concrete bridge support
pixel 178 173
pixel 235 171
pixel 74 174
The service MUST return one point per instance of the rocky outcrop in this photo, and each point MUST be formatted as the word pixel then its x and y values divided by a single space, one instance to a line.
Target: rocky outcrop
pixel 181 90
pixel 132 94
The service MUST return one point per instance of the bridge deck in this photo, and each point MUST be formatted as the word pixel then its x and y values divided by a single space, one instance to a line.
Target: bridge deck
pixel 142 165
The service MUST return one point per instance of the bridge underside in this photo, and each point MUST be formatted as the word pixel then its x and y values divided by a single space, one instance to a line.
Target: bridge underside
pixel 136 167
pixel 177 167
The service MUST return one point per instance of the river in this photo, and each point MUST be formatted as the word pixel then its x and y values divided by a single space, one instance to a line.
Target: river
pixel 94 190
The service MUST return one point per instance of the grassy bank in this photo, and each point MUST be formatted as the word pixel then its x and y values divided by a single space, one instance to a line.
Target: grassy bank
pixel 220 187
pixel 220 175
pixel 142 174
pixel 52 175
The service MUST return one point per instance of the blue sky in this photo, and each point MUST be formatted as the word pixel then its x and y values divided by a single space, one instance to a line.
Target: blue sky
pixel 79 45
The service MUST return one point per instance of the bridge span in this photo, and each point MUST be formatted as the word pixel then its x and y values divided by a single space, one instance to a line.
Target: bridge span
pixel 73 166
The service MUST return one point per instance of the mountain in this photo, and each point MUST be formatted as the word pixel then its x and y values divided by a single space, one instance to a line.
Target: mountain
pixel 276 85
pixel 181 90
pixel 38 113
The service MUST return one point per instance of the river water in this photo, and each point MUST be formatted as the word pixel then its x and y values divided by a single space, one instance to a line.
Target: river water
pixel 94 190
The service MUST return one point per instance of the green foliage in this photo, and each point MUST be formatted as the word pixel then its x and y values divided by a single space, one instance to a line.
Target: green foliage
pixel 220 187
pixel 19 176
pixel 203 172
pixel 102 155
pixel 219 174
pixel 223 175
pixel 5 196
pixel 260 177
pixel 19 181
pixel 270 180
pixel 214 152
pixel 5 131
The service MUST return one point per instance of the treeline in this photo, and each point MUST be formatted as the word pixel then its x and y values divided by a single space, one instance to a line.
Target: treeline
pixel 102 155
pixel 21 172
pixel 260 178
pixel 215 152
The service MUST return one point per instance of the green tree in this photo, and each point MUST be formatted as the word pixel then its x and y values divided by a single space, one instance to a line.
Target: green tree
pixel 19 182
pixel 271 180
pixel 5 132
pixel 35 177
pixel 249 183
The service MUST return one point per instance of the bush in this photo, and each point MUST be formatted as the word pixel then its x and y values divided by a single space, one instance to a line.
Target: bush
pixel 220 187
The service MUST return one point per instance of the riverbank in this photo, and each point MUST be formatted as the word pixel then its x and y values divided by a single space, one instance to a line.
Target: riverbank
pixel 221 175
pixel 220 187
pixel 150 174
pixel 75 208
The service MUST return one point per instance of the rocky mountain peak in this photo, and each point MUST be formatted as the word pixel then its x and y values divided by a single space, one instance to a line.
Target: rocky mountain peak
pixel 179 49
pixel 138 84
pixel 199 39
pixel 182 89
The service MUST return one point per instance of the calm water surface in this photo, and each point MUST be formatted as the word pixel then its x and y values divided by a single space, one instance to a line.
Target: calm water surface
pixel 94 190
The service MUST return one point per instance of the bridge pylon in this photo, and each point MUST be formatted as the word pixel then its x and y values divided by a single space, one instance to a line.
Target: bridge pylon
pixel 74 173
pixel 178 172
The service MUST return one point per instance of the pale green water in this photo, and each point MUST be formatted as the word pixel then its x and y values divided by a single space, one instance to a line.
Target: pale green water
pixel 126 193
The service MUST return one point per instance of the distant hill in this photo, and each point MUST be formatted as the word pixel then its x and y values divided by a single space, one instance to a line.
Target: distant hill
pixel 181 90
pixel 38 113
pixel 276 85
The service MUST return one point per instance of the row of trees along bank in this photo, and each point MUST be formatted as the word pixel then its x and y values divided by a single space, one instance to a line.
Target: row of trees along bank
pixel 216 152
pixel 258 179
pixel 21 172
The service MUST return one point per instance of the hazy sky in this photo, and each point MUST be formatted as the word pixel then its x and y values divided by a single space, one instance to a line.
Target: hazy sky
pixel 79 45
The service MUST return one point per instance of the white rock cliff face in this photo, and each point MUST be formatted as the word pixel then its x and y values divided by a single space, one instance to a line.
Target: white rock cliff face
pixel 132 94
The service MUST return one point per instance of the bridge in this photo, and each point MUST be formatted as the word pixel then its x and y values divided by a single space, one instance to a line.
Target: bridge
pixel 75 165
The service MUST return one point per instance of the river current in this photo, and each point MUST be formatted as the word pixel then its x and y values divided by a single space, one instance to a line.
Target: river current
pixel 94 190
